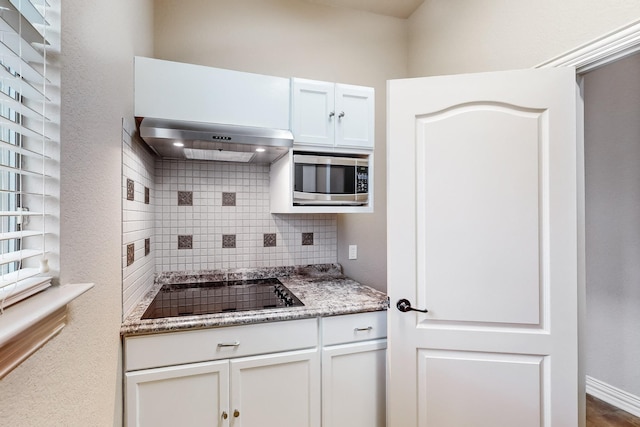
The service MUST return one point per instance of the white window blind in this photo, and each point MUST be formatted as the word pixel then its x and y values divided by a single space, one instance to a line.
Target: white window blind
pixel 29 148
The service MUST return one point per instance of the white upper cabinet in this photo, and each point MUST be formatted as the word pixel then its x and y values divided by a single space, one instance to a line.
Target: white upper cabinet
pixel 355 116
pixel 179 91
pixel 313 112
pixel 332 114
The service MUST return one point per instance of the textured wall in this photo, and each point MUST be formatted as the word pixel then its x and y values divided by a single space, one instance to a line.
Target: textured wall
pixel 75 379
pixel 292 38
pixel 612 166
pixel 458 36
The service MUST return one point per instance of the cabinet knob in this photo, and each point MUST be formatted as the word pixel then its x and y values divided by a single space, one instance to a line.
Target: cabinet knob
pixel 331 114
pixel 236 413
pixel 341 115
pixel 224 415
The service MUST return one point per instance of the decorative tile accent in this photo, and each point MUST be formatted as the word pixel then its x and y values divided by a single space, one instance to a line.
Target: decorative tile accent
pixel 185 242
pixel 147 246
pixel 228 199
pixel 307 239
pixel 228 241
pixel 146 195
pixel 269 240
pixel 185 198
pixel 131 253
pixel 130 189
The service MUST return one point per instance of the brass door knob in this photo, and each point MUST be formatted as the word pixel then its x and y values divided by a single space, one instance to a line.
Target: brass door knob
pixel 225 415
pixel 236 413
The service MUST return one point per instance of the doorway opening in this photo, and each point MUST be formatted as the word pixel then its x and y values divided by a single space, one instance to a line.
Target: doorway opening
pixel 608 69
pixel 612 232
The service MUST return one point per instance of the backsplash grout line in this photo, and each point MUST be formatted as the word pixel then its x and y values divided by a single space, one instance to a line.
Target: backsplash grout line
pixel 208 220
pixel 138 219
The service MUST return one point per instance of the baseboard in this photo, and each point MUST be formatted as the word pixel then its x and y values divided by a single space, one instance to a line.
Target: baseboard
pixel 613 396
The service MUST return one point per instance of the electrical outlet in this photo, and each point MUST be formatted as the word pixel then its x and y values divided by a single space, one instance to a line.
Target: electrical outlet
pixel 353 251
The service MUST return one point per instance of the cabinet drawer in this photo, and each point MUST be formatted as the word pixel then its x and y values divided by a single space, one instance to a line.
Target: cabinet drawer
pixel 174 348
pixel 354 327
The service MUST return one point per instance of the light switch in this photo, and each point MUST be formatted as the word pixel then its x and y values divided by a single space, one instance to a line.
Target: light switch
pixel 353 251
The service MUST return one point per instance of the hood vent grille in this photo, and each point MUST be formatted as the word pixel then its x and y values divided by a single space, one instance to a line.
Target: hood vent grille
pixel 218 155
pixel 215 142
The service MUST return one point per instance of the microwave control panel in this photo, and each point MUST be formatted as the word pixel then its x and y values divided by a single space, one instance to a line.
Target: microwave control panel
pixel 362 179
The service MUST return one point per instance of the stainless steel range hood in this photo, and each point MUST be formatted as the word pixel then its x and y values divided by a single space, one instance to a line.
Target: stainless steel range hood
pixel 217 142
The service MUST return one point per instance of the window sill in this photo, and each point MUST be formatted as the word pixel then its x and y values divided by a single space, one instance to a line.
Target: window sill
pixel 27 326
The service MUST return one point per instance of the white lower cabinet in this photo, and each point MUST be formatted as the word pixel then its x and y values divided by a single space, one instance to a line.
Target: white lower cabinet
pixel 196 394
pixel 274 390
pixel 166 384
pixel 353 385
pixel 354 373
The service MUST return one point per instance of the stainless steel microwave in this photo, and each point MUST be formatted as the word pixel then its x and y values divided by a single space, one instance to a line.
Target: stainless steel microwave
pixel 330 179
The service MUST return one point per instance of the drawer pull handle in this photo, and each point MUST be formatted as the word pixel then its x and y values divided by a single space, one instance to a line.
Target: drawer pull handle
pixel 228 344
pixel 368 328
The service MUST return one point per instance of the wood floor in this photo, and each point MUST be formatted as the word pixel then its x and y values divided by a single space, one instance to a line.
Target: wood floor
pixel 601 414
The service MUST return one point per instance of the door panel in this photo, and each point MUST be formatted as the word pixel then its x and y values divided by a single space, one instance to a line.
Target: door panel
pixel 486 218
pixel 482 232
pixel 459 388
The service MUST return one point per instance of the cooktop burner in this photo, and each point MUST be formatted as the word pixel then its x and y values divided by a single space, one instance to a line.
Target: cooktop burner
pixel 219 297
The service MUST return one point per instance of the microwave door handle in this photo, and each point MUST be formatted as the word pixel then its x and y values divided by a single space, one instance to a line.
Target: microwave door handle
pixel 325 160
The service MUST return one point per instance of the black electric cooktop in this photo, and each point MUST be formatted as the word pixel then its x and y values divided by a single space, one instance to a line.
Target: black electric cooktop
pixel 220 297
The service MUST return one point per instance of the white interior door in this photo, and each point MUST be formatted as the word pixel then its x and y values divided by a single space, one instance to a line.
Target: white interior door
pixel 482 232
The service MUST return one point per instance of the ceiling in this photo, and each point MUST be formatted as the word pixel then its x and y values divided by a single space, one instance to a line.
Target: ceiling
pixel 397 8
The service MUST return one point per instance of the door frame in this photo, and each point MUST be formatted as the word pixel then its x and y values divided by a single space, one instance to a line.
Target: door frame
pixel 601 51
pixel 604 50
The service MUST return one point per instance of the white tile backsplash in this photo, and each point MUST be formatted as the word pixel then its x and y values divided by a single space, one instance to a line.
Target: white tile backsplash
pixel 138 219
pixel 162 220
pixel 207 220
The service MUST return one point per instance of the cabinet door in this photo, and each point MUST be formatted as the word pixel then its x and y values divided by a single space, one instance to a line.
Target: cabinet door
pixel 313 114
pixel 276 390
pixel 353 385
pixel 183 395
pixel 355 116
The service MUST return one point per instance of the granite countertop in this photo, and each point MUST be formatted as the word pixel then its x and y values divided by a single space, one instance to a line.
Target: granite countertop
pixel 323 289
